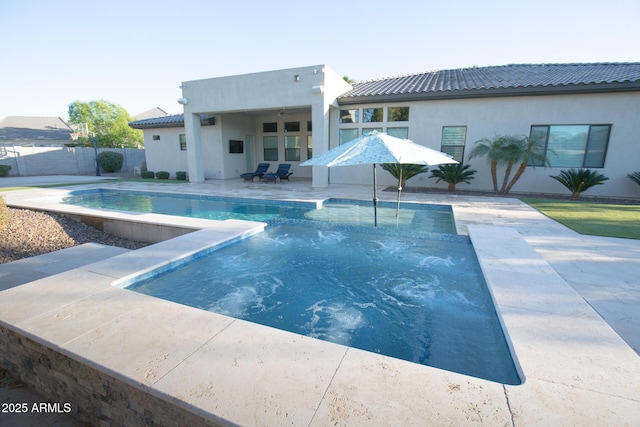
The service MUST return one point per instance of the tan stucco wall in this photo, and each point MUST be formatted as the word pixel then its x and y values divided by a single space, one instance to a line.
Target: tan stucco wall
pixel 487 117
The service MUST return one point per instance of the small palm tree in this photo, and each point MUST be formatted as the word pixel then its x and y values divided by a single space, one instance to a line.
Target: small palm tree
pixel 403 172
pixel 502 149
pixel 453 174
pixel 579 180
pixel 635 177
pixel 532 153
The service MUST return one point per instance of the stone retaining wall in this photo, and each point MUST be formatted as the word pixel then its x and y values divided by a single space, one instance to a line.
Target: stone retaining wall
pixel 95 396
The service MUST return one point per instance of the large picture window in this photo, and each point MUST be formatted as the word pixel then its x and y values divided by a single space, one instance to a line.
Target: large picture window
pixel 270 146
pixel 453 140
pixel 573 146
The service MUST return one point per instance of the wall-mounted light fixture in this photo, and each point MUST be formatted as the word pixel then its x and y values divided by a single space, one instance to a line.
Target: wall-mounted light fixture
pixel 296 78
pixel 183 101
pixel 317 89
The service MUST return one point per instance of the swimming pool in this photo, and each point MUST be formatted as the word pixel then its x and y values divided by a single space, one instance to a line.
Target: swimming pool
pixel 423 217
pixel 417 298
pixel 410 289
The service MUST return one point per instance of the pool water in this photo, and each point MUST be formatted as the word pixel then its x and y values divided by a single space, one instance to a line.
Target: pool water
pixel 423 217
pixel 420 297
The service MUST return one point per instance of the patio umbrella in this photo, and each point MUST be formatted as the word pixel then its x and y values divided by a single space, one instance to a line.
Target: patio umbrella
pixel 378 147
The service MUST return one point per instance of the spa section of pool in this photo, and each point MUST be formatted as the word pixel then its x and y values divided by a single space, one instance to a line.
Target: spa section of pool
pixel 415 296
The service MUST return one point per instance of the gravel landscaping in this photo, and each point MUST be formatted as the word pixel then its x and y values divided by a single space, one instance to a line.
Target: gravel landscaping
pixel 29 233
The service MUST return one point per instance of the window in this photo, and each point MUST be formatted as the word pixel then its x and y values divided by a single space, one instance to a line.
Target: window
pixel 292 126
pixel 573 146
pixel 309 147
pixel 183 142
pixel 402 133
pixel 398 114
pixel 309 126
pixel 270 127
pixel 371 115
pixel 347 135
pixel 270 147
pixel 349 116
pixel 368 131
pixel 292 148
pixel 453 140
pixel 156 137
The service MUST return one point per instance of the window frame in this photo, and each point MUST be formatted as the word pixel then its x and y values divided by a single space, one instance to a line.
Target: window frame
pixel 588 143
pixel 268 152
pixel 292 154
pixel 445 148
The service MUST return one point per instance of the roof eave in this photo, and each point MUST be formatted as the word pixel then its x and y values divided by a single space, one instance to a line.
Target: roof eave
pixel 155 125
pixel 494 92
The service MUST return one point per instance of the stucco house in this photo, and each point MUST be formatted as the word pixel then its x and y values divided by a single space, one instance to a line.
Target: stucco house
pixel 587 114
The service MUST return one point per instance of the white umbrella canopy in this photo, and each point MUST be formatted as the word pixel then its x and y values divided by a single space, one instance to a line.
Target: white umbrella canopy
pixel 378 147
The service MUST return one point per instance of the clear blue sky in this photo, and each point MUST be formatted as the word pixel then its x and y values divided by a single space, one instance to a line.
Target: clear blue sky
pixel 136 53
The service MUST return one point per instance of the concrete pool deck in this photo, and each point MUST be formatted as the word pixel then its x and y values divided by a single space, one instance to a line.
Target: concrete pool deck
pixel 562 298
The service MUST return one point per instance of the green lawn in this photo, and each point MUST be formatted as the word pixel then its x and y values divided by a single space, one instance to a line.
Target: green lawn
pixel 592 218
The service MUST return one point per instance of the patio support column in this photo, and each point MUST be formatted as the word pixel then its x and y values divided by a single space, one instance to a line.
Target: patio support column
pixel 195 163
pixel 320 120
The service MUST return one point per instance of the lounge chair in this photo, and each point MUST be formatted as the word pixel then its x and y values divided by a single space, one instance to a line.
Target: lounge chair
pixel 260 171
pixel 282 173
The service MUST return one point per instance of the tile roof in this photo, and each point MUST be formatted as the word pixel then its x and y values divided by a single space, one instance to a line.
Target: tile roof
pixel 46 129
pixel 516 79
pixel 175 120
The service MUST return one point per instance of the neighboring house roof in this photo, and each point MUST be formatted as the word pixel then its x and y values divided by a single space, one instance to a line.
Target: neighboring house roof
pixel 149 114
pixel 176 120
pixel 505 80
pixel 45 130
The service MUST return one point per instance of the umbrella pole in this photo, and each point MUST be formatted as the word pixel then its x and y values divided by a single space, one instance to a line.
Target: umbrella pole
pixel 375 197
pixel 399 191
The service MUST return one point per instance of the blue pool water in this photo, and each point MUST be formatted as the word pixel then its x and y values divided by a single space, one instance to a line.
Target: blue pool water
pixel 421 299
pixel 427 218
pixel 411 289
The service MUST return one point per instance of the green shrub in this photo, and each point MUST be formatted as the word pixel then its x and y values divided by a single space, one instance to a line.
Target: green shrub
pixel 406 171
pixel 110 161
pixel 453 174
pixel 579 180
pixel 635 177
pixel 4 170
pixel 181 175
pixel 162 175
pixel 147 174
pixel 4 214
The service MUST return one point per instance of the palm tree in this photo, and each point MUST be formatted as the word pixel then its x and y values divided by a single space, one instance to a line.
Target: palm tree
pixel 403 172
pixel 453 174
pixel 502 149
pixel 532 153
pixel 579 180
pixel 635 177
